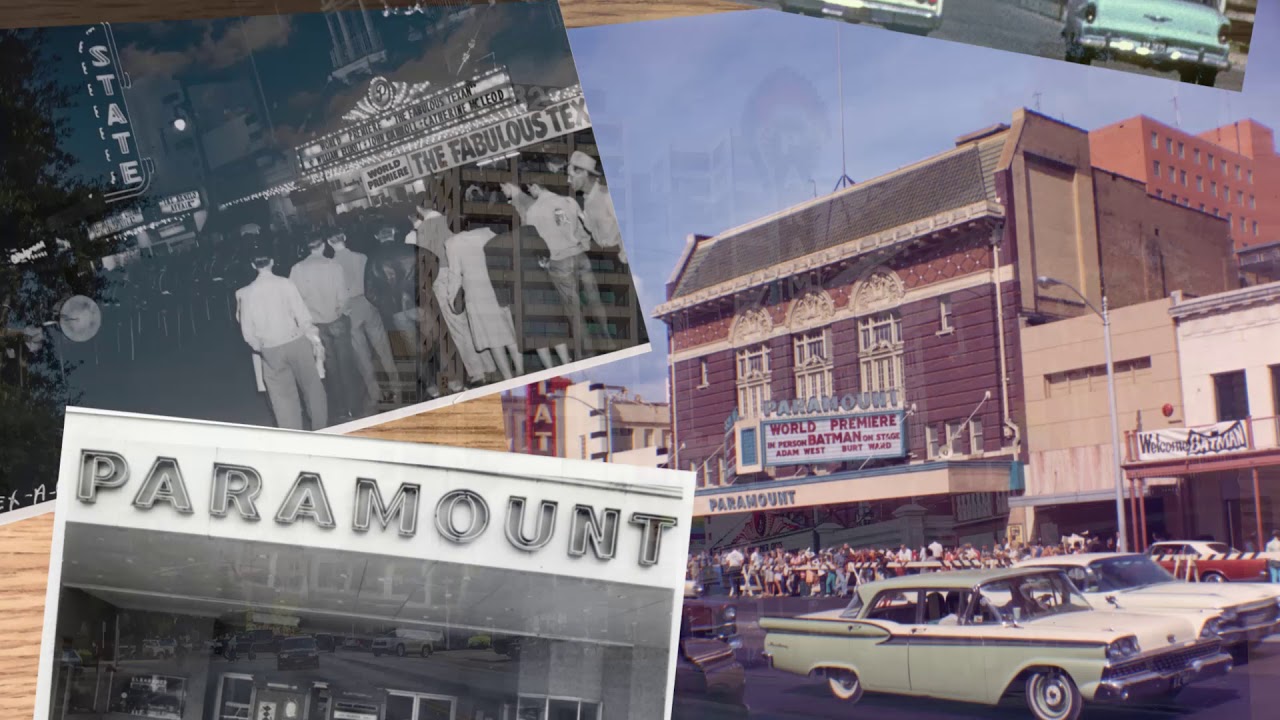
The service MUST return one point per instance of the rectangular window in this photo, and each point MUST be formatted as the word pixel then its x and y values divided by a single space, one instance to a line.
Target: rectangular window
pixel 955 428
pixel 1155 140
pixel 1173 174
pixel 703 374
pixel 1226 194
pixel 1232 395
pixel 1213 189
pixel 944 313
pixel 880 352
pixel 1160 194
pixel 1155 165
pixel 1250 177
pixel 1255 227
pixel 1244 227
pixel 1197 155
pixel 1237 172
pixel 931 441
pixel 1210 161
pixel 1168 145
pixel 813 364
pixel 976 439
pixel 753 380
pixel 1253 203
pixel 1182 150
pixel 1182 177
pixel 1275 393
pixel 1240 197
pixel 1200 183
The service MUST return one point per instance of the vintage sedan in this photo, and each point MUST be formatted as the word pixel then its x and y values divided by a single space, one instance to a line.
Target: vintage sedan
pixel 1213 561
pixel 917 17
pixel 1135 583
pixel 1189 36
pixel 979 635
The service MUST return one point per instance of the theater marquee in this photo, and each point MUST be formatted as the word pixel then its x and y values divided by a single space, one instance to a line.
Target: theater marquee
pixel 834 438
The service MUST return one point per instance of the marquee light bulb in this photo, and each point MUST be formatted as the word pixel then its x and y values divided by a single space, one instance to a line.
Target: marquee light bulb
pixel 179 124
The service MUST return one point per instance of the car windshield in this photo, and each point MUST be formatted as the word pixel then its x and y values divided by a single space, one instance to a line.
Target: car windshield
pixel 854 608
pixel 1218 547
pixel 1123 573
pixel 297 644
pixel 1026 598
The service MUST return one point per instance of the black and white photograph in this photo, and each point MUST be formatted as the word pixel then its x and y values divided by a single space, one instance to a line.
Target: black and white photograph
pixel 204 571
pixel 298 221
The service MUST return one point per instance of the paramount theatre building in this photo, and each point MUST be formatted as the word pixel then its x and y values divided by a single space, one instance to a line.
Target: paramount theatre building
pixel 848 370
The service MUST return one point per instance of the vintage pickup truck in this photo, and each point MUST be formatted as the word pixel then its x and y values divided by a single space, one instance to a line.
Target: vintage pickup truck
pixel 979 635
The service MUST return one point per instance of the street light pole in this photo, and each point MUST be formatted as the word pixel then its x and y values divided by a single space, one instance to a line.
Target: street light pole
pixel 1122 525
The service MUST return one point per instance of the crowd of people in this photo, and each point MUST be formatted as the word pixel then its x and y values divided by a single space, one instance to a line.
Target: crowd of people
pixel 836 571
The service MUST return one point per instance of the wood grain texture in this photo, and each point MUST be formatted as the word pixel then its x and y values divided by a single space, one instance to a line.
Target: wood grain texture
pixel 577 13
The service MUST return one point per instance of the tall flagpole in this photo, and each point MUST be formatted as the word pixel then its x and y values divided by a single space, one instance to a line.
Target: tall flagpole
pixel 845 180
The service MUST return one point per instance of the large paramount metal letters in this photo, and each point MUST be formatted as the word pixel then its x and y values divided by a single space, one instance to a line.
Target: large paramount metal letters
pixel 236 487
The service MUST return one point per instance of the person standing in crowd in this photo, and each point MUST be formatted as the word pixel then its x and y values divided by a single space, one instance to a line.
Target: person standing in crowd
pixel 935 550
pixel 367 330
pixel 275 322
pixel 493 329
pixel 1273 546
pixel 391 284
pixel 323 288
pixel 558 220
pixel 598 214
pixel 733 563
pixel 431 232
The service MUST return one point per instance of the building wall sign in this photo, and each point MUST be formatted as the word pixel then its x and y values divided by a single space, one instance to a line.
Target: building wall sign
pixel 105 85
pixel 182 202
pixel 1181 443
pixel 541 423
pixel 833 439
pixel 848 403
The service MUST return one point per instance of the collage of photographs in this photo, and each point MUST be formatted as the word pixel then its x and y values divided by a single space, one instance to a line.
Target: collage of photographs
pixel 675 360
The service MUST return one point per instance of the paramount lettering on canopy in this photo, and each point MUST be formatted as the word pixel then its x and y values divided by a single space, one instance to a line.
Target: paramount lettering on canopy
pixel 501 138
pixel 235 490
pixel 752 501
pixel 1179 443
pixel 833 439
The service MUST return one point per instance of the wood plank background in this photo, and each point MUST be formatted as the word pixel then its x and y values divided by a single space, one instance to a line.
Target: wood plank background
pixel 24 545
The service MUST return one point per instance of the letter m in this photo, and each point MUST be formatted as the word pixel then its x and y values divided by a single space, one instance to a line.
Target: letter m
pixel 369 505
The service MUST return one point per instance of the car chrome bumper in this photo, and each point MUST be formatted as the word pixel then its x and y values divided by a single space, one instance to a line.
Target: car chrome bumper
pixel 1151 683
pixel 1251 633
pixel 869 11
pixel 1155 53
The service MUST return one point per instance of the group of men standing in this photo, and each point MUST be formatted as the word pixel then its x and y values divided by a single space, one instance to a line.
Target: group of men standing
pixel 315 334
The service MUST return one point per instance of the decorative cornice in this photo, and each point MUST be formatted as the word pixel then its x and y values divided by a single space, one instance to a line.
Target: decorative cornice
pixel 1225 301
pixel 848 250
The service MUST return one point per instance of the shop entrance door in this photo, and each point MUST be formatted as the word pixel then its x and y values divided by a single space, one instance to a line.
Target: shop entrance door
pixel 275 704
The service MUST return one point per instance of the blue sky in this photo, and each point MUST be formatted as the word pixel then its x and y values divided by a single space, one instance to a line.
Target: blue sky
pixel 682 84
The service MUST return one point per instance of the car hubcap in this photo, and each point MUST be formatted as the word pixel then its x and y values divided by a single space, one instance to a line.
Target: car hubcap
pixel 1053 698
pixel 844 684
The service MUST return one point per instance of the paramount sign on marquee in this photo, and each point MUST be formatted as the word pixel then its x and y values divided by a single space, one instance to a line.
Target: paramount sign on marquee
pixel 460 516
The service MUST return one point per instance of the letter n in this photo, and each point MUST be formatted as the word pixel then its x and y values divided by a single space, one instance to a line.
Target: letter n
pixel 586 528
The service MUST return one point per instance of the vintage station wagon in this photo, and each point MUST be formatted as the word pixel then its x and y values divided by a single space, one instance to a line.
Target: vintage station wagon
pixel 1189 36
pixel 978 635
pixel 1135 583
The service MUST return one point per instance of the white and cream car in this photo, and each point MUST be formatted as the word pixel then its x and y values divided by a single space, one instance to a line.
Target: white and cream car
pixel 917 17
pixel 979 635
pixel 1136 583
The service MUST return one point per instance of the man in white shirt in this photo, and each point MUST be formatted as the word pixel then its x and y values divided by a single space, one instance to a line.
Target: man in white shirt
pixel 323 288
pixel 559 223
pixel 598 214
pixel 734 561
pixel 1273 546
pixel 275 322
pixel 935 550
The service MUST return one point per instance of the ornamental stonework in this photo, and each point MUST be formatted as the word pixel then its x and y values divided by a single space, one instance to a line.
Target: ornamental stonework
pixel 945 264
pixel 814 309
pixel 881 289
pixel 752 325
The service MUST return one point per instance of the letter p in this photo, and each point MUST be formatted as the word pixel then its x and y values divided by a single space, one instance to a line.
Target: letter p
pixel 100 469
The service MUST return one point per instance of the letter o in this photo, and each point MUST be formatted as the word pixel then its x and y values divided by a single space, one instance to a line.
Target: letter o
pixel 444 516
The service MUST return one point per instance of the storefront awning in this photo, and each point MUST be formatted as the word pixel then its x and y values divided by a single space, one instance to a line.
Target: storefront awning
pixel 1065 498
pixel 901 481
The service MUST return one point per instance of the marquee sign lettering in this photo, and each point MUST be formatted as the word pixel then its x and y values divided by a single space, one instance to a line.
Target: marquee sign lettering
pixel 761 500
pixel 105 83
pixel 850 402
pixel 833 439
pixel 392 113
pixel 1181 443
pixel 459 516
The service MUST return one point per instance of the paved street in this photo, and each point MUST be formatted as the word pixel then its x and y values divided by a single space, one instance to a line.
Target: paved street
pixel 1250 691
